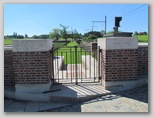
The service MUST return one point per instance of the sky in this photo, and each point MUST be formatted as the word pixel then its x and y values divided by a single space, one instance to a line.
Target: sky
pixel 37 19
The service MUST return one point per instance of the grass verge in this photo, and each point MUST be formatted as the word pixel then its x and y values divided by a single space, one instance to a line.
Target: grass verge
pixel 71 54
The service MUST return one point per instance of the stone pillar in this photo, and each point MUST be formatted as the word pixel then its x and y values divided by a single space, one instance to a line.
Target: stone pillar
pixel 32 65
pixel 119 61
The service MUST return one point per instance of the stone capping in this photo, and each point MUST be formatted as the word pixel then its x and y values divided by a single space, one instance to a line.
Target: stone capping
pixel 8 48
pixel 110 43
pixel 31 45
pixel 142 44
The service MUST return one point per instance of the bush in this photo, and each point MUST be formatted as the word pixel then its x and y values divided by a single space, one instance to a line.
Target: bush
pixel 91 36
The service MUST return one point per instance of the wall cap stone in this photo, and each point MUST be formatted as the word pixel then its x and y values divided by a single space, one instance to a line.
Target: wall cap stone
pixel 8 48
pixel 111 43
pixel 31 45
pixel 142 44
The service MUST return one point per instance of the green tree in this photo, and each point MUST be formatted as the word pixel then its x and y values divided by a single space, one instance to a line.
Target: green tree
pixel 44 36
pixel 75 35
pixel 56 33
pixel 91 36
pixel 135 33
pixel 64 32
pixel 26 36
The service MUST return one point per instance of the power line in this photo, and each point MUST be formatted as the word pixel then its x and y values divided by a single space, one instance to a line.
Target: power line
pixel 133 10
pixel 130 12
pixel 100 22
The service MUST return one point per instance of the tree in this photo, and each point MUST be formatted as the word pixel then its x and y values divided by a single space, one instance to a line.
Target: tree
pixel 64 32
pixel 96 33
pixel 56 33
pixel 75 35
pixel 35 37
pixel 44 36
pixel 91 36
pixel 135 33
pixel 26 36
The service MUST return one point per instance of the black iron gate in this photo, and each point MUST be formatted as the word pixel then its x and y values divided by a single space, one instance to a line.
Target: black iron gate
pixel 76 64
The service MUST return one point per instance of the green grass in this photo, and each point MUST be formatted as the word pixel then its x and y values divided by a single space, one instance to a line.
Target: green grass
pixel 59 44
pixel 142 38
pixel 69 53
pixel 7 41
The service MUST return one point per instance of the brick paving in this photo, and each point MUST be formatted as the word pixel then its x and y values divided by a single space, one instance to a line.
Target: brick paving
pixel 135 100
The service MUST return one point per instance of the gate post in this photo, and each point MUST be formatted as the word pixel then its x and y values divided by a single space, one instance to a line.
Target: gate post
pixel 32 65
pixel 119 61
pixel 76 64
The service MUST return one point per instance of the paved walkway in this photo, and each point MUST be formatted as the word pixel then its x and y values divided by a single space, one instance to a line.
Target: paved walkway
pixel 135 100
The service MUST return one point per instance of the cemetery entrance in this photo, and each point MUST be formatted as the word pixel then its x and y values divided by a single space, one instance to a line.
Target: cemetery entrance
pixel 73 64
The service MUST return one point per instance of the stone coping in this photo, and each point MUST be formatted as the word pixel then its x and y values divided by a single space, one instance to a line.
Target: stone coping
pixel 111 43
pixel 8 47
pixel 32 45
pixel 142 44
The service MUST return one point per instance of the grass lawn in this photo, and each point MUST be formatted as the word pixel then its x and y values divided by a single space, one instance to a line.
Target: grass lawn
pixel 7 41
pixel 142 38
pixel 69 53
pixel 59 44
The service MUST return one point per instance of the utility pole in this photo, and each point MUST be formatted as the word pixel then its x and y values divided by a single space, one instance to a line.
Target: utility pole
pixel 100 22
pixel 105 24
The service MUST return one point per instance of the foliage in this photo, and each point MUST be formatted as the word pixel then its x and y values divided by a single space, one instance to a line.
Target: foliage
pixel 56 34
pixel 135 33
pixel 42 36
pixel 14 36
pixel 96 33
pixel 64 32
pixel 92 36
pixel 26 36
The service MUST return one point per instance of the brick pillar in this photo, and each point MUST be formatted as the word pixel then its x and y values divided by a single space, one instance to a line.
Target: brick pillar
pixel 32 65
pixel 119 61
pixel 143 59
pixel 8 66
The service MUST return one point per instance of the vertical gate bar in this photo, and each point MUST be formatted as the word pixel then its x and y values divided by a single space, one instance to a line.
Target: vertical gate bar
pixel 94 65
pixel 57 66
pixel 90 62
pixel 71 62
pixel 73 65
pixel 99 64
pixel 76 64
pixel 62 66
pixel 66 66
pixel 81 63
pixel 52 56
pixel 85 64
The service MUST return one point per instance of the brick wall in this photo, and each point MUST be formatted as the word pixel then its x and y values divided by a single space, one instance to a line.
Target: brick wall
pixel 32 67
pixel 119 65
pixel 143 60
pixel 8 67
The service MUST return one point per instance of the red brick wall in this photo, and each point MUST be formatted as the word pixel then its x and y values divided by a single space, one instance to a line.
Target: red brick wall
pixel 32 67
pixel 119 65
pixel 8 68
pixel 142 60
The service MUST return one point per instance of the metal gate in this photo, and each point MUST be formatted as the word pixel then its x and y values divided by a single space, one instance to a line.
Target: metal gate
pixel 76 64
